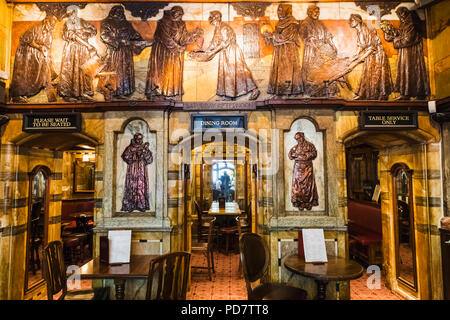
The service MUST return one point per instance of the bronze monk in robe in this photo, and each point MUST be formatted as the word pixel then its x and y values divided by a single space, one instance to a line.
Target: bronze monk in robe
pixel 33 68
pixel 234 78
pixel 304 190
pixel 75 84
pixel 122 41
pixel 412 79
pixel 319 50
pixel 285 74
pixel 136 192
pixel 165 66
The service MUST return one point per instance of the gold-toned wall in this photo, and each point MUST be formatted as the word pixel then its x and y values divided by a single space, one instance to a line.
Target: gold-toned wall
pixel 6 11
pixel 439 48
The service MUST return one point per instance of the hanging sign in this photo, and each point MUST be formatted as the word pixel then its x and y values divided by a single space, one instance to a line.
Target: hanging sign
pixel 388 120
pixel 51 122
pixel 200 123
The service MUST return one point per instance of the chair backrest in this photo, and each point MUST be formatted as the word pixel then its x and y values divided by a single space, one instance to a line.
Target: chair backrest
pixel 54 269
pixel 167 277
pixel 254 257
pixel 210 232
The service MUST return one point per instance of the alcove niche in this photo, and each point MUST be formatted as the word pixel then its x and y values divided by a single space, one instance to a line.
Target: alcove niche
pixel 315 136
pixel 123 139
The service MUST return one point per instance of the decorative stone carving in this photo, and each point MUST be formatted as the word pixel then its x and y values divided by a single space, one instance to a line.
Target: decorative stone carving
pixel 372 8
pixel 251 9
pixel 121 40
pixel 165 66
pixel 79 57
pixel 285 74
pixel 234 76
pixel 136 192
pixel 33 68
pixel 412 79
pixel 58 9
pixel 304 190
pixel 376 81
pixel 144 10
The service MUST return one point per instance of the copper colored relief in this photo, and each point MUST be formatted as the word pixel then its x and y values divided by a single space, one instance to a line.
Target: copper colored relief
pixel 122 41
pixel 234 77
pixel 136 191
pixel 412 79
pixel 304 190
pixel 75 81
pixel 33 69
pixel 166 63
pixel 285 74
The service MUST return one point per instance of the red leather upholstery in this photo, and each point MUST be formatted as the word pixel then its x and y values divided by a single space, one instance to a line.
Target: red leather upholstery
pixel 364 222
pixel 74 206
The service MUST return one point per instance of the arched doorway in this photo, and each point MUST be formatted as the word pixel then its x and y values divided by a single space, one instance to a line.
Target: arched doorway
pixel 379 168
pixel 61 185
pixel 206 158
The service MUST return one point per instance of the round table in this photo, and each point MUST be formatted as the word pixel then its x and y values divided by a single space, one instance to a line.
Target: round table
pixel 336 269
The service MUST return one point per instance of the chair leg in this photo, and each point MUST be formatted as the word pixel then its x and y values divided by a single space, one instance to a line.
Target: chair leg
pixel 209 265
pixel 212 261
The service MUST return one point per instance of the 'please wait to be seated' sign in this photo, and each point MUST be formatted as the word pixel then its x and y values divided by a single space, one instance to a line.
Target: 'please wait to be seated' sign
pixel 67 122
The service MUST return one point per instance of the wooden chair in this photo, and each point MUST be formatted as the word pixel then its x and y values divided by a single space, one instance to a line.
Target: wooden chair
pixel 255 262
pixel 167 277
pixel 206 249
pixel 56 278
pixel 203 223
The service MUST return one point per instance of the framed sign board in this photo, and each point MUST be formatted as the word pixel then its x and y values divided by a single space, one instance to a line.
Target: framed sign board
pixel 387 120
pixel 52 122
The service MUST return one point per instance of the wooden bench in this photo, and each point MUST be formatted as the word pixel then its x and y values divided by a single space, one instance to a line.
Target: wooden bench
pixel 364 230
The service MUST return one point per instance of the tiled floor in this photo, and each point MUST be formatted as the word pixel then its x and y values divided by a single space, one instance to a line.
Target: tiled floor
pixel 227 284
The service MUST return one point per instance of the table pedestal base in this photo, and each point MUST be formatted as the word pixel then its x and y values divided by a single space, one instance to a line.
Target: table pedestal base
pixel 120 288
pixel 321 289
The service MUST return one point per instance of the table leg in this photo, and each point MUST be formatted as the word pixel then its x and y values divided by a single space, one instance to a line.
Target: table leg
pixel 321 289
pixel 120 288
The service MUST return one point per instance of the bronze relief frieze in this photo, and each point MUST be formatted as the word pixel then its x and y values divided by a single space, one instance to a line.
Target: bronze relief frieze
pixel 256 56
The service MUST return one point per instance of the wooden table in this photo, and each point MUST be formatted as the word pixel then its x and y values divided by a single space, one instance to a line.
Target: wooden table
pixel 336 269
pixel 137 269
pixel 231 209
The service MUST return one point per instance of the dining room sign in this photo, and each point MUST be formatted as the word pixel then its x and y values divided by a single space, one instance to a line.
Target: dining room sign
pixel 202 122
pixel 51 122
pixel 387 120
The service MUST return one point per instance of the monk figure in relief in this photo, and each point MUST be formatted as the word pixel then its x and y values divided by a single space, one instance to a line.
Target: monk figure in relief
pixel 136 192
pixel 304 190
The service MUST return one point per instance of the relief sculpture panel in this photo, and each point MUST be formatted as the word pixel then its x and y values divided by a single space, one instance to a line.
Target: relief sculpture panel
pixel 304 174
pixel 256 51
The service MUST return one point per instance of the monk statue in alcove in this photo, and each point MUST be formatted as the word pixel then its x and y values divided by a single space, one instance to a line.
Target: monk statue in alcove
pixel 136 192
pixel 304 190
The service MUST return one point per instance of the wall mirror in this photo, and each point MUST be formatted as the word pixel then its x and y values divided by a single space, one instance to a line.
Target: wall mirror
pixel 404 226
pixel 224 180
pixel 83 176
pixel 37 226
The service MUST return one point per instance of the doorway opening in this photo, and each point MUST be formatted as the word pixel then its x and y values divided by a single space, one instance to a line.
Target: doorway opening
pixel 61 188
pixel 380 204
